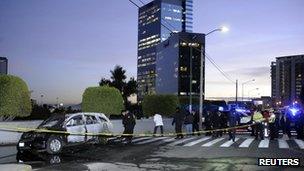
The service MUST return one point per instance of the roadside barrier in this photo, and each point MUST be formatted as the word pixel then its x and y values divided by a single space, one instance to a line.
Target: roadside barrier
pixel 106 134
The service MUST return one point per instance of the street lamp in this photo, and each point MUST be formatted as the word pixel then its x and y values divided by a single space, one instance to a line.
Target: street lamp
pixel 246 82
pixel 221 29
pixel 41 96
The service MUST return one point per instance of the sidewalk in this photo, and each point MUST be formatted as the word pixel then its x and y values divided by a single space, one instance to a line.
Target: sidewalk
pixel 15 167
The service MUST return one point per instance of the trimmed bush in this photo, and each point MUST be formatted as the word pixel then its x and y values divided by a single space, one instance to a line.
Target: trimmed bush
pixel 184 100
pixel 104 99
pixel 15 98
pixel 161 104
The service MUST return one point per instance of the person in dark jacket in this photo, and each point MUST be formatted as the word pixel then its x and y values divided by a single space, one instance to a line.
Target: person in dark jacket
pixel 232 123
pixel 196 123
pixel 189 123
pixel 208 122
pixel 128 121
pixel 178 120
pixel 299 120
pixel 224 121
pixel 216 124
pixel 286 122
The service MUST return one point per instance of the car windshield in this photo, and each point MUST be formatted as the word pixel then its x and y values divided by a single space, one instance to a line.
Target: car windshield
pixel 51 122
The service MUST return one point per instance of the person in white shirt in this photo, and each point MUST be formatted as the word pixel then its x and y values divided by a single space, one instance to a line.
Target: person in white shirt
pixel 158 123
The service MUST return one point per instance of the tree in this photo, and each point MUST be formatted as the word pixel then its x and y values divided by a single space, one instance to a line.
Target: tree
pixel 105 82
pixel 130 87
pixel 118 80
pixel 40 112
pixel 162 104
pixel 104 99
pixel 118 77
pixel 14 98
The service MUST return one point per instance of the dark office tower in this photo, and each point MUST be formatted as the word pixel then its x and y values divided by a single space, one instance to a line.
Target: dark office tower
pixel 3 65
pixel 155 20
pixel 174 65
pixel 287 77
pixel 273 79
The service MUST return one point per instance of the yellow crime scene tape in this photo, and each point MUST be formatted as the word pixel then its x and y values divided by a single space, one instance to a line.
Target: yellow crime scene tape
pixel 106 134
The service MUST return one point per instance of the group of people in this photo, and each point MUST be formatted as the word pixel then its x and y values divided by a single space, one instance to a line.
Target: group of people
pixel 216 123
pixel 276 121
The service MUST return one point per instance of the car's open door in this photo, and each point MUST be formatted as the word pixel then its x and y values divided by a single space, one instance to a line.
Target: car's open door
pixel 76 124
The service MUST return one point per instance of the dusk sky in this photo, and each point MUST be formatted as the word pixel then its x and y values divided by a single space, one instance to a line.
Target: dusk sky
pixel 60 47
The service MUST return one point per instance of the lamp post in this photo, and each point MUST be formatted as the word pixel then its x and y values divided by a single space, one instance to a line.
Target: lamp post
pixel 41 96
pixel 201 102
pixel 246 82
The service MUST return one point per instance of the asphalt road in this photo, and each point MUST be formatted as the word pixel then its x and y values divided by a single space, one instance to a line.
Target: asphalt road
pixel 166 153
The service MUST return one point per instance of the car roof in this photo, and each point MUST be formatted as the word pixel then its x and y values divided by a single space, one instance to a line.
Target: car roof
pixel 88 113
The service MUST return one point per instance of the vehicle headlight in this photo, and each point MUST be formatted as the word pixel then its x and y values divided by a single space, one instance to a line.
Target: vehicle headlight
pixel 21 144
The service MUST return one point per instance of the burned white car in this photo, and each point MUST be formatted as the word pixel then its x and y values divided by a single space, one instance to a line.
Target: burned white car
pixel 72 124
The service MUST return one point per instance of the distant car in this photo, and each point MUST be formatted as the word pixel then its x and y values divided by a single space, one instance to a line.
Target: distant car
pixel 53 143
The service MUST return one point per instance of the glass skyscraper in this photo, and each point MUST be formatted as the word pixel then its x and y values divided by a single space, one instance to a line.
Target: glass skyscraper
pixel 3 65
pixel 154 21
pixel 287 78
pixel 178 64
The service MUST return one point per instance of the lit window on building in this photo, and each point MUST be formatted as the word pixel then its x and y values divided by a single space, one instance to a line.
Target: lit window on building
pixel 182 68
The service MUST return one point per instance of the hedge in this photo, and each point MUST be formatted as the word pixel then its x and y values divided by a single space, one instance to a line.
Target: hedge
pixel 102 99
pixel 15 98
pixel 161 104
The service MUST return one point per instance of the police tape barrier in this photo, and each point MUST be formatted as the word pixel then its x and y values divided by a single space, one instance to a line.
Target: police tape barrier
pixel 106 134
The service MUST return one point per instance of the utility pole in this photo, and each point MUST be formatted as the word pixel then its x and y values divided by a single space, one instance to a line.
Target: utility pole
pixel 236 91
pixel 190 85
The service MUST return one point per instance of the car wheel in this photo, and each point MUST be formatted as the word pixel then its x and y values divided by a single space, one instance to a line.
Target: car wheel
pixel 54 145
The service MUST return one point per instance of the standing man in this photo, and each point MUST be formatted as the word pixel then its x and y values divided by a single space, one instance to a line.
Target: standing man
pixel 178 120
pixel 257 120
pixel 272 125
pixel 232 123
pixel 208 123
pixel 286 124
pixel 196 122
pixel 189 122
pixel 299 119
pixel 216 123
pixel 158 120
pixel 223 122
pixel 128 121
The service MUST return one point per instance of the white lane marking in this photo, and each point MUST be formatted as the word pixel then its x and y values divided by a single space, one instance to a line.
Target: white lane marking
pixel 208 144
pixel 168 140
pixel 300 143
pixel 140 139
pixel 246 143
pixel 180 141
pixel 196 141
pixel 264 143
pixel 283 143
pixel 112 139
pixel 151 140
pixel 229 143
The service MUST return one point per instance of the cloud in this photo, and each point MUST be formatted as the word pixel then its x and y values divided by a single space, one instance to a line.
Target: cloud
pixel 260 71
